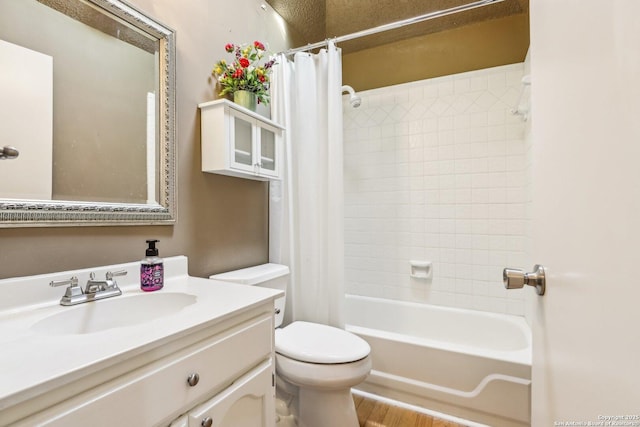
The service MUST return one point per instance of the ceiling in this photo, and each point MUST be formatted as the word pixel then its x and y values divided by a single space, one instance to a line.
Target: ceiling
pixel 316 20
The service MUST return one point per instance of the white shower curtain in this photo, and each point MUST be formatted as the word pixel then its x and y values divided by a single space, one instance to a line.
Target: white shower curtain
pixel 306 207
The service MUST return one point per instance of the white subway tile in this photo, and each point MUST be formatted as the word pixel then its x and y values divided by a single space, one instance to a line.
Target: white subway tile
pixel 496 133
pixel 480 165
pixel 480 134
pixel 478 256
pixel 463 300
pixel 463 195
pixel 464 241
pixel 446 152
pixel 433 169
pixel 461 121
pixel 447 255
pixel 447 181
pixel 480 226
pixel 464 211
pixel 478 83
pixel 461 85
pixel 480 211
pixel 496 148
pixel 496 117
pixel 445 88
pixel 461 136
pixel 448 196
pixel 445 123
pixel 464 271
pixel 479 119
pixel 463 166
pixel 430 90
pixel 463 256
pixel 447 211
pixel 497 226
pixel 464 181
pixel 486 101
pixel 480 195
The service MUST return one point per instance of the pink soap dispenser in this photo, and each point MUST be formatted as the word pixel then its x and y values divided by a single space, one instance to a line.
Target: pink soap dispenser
pixel 151 269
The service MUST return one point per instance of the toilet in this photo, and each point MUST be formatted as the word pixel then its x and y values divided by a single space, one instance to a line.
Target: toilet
pixel 316 364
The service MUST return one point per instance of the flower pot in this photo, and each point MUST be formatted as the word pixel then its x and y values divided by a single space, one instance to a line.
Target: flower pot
pixel 245 98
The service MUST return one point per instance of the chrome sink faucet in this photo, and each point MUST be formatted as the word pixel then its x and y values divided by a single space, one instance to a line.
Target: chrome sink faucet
pixel 93 291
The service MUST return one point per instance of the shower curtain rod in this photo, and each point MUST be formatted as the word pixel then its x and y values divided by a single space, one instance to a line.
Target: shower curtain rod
pixel 394 25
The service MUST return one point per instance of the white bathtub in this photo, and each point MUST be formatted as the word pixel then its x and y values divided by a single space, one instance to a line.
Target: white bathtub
pixel 469 364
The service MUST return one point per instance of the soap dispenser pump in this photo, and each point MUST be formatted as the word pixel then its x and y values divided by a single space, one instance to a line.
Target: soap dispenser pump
pixel 151 269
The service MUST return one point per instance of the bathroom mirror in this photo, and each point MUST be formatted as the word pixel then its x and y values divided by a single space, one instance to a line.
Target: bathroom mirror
pixel 88 90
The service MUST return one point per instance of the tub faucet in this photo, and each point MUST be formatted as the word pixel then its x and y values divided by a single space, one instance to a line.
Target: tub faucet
pixel 93 290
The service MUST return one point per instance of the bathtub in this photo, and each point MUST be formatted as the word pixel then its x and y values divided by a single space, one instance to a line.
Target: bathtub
pixel 466 363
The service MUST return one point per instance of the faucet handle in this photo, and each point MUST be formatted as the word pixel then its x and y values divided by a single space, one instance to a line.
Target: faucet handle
pixel 110 275
pixel 73 282
pixel 73 292
pixel 111 283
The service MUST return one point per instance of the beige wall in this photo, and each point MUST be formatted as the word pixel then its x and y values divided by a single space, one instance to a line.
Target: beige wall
pixel 222 221
pixel 487 44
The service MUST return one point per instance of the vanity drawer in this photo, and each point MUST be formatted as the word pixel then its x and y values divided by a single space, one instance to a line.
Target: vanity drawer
pixel 156 393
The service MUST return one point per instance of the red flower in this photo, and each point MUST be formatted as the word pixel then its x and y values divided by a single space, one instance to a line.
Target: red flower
pixel 237 73
pixel 261 78
pixel 258 45
pixel 244 62
pixel 229 47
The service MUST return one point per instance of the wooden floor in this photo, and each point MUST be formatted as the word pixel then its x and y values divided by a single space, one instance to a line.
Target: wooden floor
pixel 372 413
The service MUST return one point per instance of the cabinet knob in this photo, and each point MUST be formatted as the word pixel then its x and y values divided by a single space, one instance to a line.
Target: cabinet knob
pixel 207 422
pixel 193 379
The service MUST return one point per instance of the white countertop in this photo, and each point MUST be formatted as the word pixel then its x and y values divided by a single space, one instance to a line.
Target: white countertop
pixel 32 363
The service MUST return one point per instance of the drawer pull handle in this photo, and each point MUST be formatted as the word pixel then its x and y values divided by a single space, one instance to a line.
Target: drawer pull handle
pixel 277 311
pixel 207 422
pixel 193 380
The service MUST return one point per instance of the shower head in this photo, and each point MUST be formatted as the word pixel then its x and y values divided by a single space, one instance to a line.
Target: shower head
pixel 354 99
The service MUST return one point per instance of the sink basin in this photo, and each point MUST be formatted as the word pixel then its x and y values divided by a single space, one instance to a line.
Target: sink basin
pixel 115 312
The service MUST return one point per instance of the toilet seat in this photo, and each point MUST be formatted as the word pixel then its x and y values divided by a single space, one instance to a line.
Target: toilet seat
pixel 322 376
pixel 321 344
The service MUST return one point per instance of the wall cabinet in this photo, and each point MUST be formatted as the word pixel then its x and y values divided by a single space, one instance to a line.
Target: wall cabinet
pixel 226 377
pixel 239 142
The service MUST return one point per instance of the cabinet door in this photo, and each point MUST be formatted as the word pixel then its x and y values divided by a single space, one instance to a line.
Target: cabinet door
pixel 243 153
pixel 269 150
pixel 248 402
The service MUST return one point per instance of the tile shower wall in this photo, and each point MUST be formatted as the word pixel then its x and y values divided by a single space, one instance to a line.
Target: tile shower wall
pixel 435 171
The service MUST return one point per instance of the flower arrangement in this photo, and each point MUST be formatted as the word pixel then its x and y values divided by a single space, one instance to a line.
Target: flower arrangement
pixel 245 72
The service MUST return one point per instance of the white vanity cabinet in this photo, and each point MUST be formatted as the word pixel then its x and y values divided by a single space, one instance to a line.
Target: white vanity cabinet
pixel 239 142
pixel 223 373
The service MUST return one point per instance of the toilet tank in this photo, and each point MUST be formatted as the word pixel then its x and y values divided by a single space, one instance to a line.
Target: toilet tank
pixel 274 276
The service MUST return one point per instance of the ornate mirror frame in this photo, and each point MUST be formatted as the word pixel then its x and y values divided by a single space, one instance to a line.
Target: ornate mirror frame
pixel 52 213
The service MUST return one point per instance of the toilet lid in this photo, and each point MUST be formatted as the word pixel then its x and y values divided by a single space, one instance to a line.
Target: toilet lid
pixel 315 343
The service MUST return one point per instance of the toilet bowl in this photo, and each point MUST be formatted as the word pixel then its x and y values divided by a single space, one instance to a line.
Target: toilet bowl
pixel 318 363
pixel 324 363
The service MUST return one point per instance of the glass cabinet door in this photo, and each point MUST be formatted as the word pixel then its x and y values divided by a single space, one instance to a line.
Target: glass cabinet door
pixel 268 151
pixel 242 153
